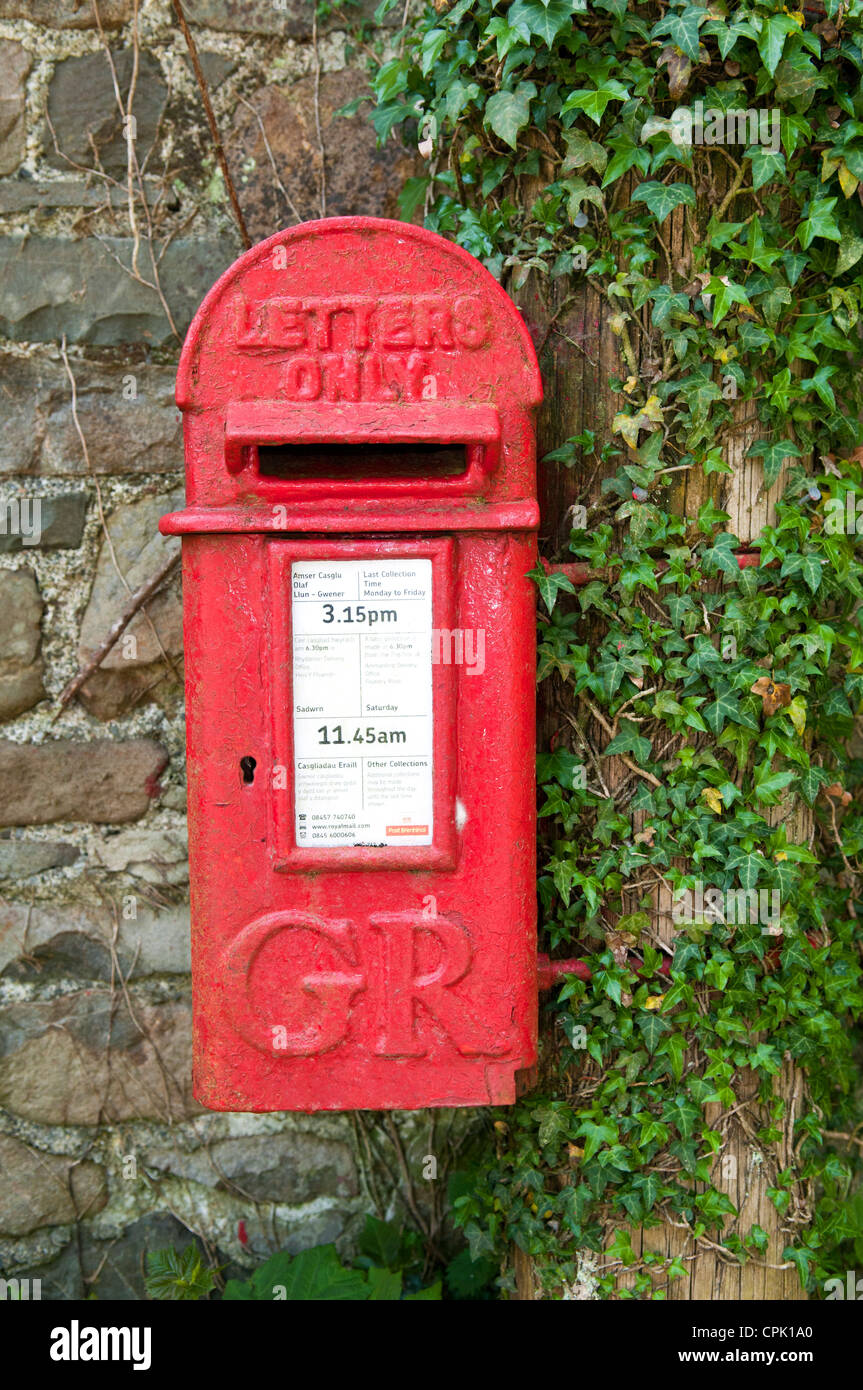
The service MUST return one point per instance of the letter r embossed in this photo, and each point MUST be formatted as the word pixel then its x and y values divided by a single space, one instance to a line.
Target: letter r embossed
pixel 405 987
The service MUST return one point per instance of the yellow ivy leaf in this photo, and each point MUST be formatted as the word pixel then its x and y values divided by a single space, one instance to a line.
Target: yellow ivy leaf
pixel 574 1151
pixel 617 323
pixel 780 856
pixel 630 384
pixel 797 710
pixel 713 797
pixel 653 410
pixel 653 1001
pixel 847 181
pixel 628 426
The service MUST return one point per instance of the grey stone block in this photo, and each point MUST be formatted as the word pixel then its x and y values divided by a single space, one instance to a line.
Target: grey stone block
pixel 68 14
pixel 24 858
pixel 82 1059
pixel 20 664
pixel 14 66
pixel 287 1168
pixel 86 118
pixel 42 1189
pixel 105 781
pixel 87 290
pixel 127 416
pixel 23 194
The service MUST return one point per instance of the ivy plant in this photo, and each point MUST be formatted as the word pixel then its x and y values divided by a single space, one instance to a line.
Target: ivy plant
pixel 701 166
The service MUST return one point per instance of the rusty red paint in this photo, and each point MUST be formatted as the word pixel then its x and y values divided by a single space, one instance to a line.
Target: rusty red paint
pixel 748 559
pixel 395 975
pixel 552 972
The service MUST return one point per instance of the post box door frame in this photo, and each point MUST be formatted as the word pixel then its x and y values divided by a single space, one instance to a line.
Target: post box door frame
pixel 442 853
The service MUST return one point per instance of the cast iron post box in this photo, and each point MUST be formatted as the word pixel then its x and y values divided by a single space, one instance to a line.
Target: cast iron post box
pixel 359 637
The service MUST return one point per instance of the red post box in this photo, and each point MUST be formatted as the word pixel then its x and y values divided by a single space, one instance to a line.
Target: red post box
pixel 359 636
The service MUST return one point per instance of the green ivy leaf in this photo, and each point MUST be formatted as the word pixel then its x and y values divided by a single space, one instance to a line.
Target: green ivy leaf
pixel 771 41
pixel 812 571
pixel 800 1257
pixel 819 222
pixel 685 952
pixel 769 785
pixel 722 555
pixel 431 49
pixel 649 1187
pixel 682 29
pixel 748 866
pixel 774 455
pixel 509 112
pixel 652 1027
pixel 594 102
pixel 674 1047
pixel 544 18
pixel 662 198
pixel 595 1135
pixel 812 779
pixel 725 293
pixel 553 1123
pixel 550 585
pixel 581 150
pixel 629 740
pixel 682 1113
pixel 767 165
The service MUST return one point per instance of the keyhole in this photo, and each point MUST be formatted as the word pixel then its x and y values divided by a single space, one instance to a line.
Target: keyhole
pixel 248 766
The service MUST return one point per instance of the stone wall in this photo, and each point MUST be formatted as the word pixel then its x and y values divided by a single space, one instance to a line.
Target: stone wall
pixel 115 223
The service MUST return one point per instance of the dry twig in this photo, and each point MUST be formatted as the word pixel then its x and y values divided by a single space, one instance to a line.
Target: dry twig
pixel 136 602
pixel 211 122
pixel 323 153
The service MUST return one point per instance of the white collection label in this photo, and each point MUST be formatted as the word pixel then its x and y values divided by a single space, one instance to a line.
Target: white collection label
pixel 362 656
